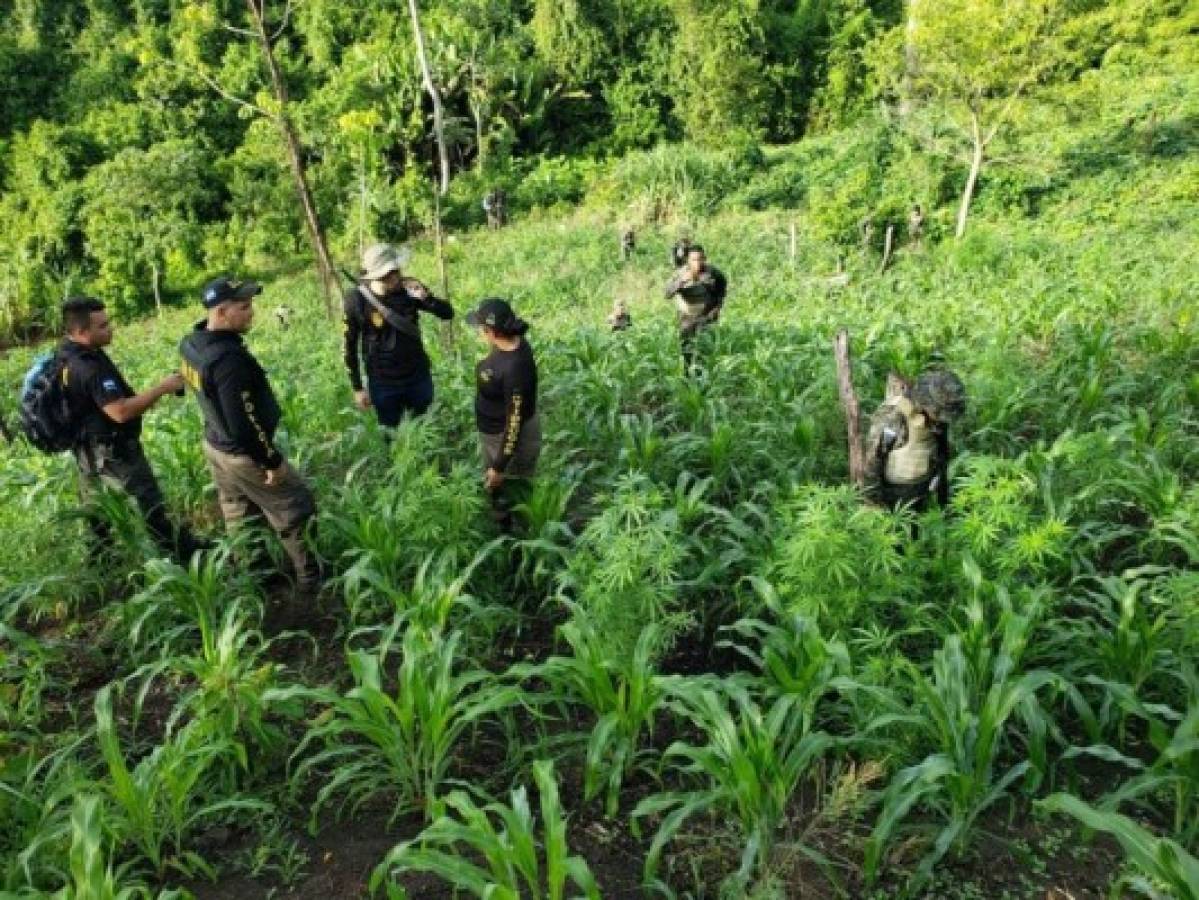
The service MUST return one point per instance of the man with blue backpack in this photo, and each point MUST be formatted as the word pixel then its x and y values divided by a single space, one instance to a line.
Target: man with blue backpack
pixel 79 400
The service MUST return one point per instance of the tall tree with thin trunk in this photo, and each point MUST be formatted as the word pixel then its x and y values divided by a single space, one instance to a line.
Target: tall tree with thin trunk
pixel 266 34
pixel 974 60
pixel 434 95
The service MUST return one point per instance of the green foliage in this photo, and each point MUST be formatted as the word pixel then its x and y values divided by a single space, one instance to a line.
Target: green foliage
pixel 398 743
pixel 751 766
pixel 1164 863
pixel 978 684
pixel 506 838
pixel 623 695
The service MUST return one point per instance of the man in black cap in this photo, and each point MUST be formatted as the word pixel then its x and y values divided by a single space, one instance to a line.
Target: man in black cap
pixel 506 407
pixel 109 413
pixel 240 418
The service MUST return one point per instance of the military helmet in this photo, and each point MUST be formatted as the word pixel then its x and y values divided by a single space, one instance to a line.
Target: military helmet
pixel 940 393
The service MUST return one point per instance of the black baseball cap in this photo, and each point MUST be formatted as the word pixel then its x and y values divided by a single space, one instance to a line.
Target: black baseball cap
pixel 496 313
pixel 224 288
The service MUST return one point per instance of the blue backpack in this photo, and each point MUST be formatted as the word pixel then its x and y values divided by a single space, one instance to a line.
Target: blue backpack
pixel 45 413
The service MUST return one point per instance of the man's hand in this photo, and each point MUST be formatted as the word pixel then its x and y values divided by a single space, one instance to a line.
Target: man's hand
pixel 275 476
pixel 172 384
pixel 416 289
pixel 362 400
pixel 493 480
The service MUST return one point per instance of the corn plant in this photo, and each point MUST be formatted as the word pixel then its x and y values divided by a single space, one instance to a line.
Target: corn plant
pixel 793 659
pixel 754 760
pixel 236 700
pixel 159 802
pixel 1174 736
pixel 92 876
pixel 623 695
pixel 516 860
pixel 379 742
pixel 976 688
pixel 178 602
pixel 38 783
pixel 1167 869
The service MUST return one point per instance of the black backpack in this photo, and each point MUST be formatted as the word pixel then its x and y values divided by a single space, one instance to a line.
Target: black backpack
pixel 45 413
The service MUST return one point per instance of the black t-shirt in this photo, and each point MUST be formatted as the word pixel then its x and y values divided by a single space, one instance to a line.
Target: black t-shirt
pixel 92 382
pixel 391 354
pixel 506 394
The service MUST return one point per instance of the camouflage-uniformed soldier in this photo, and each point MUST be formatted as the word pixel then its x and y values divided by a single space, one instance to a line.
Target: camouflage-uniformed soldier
pixel 494 204
pixel 628 243
pixel 907 450
pixel 916 226
pixel 620 319
pixel 698 290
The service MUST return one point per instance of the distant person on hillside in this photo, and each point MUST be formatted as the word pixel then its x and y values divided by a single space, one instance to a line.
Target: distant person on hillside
pixel 916 226
pixel 240 417
pixel 866 229
pixel 628 243
pixel 620 320
pixel 506 408
pixel 108 413
pixel 382 326
pixel 907 449
pixel 494 205
pixel 678 253
pixel 698 290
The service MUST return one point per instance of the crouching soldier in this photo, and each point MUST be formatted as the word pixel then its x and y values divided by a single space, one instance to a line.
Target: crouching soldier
pixel 240 417
pixel 620 319
pixel 907 450
pixel 108 413
pixel 506 408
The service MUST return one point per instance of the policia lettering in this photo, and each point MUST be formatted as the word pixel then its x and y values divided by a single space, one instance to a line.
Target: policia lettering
pixel 506 408
pixel 241 415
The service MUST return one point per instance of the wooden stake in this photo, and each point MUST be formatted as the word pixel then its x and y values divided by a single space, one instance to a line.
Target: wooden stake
pixel 794 246
pixel 849 403
pixel 448 331
pixel 888 246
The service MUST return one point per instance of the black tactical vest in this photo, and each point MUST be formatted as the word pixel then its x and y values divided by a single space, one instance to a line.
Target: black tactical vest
pixel 199 367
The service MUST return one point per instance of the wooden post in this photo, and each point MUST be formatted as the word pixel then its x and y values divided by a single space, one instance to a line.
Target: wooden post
pixel 888 246
pixel 849 403
pixel 794 246
pixel 448 330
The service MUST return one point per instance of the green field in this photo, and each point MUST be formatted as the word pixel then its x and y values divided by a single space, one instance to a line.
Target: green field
pixel 707 667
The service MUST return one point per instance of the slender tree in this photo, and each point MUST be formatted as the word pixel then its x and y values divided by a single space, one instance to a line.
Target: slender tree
pixel 434 95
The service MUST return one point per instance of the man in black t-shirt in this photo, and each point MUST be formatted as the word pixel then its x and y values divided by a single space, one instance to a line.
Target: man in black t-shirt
pixel 108 412
pixel 241 415
pixel 382 323
pixel 506 407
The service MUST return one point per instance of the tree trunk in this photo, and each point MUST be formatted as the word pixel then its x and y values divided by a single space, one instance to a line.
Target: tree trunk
pixel 449 329
pixel 849 403
pixel 476 112
pixel 976 164
pixel 295 158
pixel 911 60
pixel 154 278
pixel 362 205
pixel 434 95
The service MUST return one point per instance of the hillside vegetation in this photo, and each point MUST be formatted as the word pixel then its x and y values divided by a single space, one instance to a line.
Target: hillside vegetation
pixel 706 667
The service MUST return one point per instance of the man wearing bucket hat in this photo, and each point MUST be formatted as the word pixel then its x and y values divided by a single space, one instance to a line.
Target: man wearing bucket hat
pixel 506 407
pixel 382 326
pixel 907 449
pixel 241 415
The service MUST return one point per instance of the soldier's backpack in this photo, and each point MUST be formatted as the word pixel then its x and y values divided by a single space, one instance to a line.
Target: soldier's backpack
pixel 45 413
